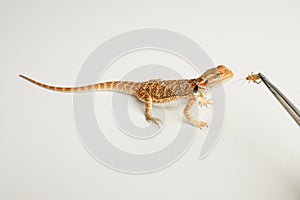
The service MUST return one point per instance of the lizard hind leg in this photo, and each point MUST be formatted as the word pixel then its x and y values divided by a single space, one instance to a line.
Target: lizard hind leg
pixel 144 96
pixel 190 118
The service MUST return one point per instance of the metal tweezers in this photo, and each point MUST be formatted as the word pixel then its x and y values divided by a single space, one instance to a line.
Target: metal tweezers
pixel 285 102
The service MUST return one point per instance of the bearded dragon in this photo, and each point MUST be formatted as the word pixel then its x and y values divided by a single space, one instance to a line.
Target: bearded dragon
pixel 158 91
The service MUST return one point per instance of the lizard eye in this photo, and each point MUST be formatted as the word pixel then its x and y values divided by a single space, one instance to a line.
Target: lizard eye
pixel 196 89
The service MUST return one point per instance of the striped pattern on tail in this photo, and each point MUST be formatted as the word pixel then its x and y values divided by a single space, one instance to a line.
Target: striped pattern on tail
pixel 120 86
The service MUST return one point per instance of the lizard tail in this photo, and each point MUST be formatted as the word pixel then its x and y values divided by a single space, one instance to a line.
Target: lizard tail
pixel 119 86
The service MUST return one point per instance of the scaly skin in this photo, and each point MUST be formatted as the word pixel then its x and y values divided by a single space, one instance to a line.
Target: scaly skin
pixel 160 91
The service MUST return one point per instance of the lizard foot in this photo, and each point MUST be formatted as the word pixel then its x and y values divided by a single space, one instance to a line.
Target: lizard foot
pixel 155 120
pixel 201 124
pixel 205 102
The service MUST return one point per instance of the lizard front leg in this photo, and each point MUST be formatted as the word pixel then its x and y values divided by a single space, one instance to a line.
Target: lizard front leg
pixel 189 117
pixel 202 100
pixel 144 96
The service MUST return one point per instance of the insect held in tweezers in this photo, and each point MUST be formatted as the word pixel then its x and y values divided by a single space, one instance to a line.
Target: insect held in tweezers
pixel 255 78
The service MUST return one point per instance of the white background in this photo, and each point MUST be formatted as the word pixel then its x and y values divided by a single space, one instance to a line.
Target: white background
pixel 258 155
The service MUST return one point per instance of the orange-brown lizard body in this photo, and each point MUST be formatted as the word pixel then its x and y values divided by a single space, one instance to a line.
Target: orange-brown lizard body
pixel 160 91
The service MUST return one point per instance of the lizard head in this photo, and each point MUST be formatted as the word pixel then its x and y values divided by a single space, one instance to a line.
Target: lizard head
pixel 215 76
pixel 225 73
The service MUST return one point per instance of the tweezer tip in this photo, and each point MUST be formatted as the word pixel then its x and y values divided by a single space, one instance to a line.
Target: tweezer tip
pixel 262 77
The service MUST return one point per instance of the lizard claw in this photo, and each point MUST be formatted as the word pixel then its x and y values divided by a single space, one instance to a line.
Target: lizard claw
pixel 154 120
pixel 205 102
